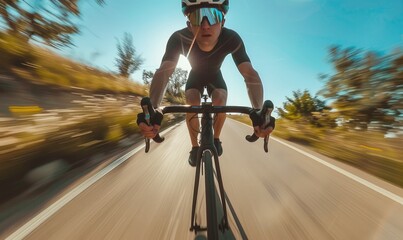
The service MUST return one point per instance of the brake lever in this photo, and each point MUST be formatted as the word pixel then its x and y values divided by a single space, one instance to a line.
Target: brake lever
pixel 266 144
pixel 147 141
pixel 252 138
pixel 157 139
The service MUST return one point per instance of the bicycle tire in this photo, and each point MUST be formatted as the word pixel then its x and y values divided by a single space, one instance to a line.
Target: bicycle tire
pixel 211 210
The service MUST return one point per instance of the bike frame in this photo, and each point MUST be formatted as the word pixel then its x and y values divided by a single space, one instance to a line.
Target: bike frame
pixel 206 147
pixel 207 144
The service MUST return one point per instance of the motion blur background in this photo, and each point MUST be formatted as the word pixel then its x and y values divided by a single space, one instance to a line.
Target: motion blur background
pixel 72 74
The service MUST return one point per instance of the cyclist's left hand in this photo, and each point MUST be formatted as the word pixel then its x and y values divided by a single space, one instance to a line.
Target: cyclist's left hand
pixel 262 132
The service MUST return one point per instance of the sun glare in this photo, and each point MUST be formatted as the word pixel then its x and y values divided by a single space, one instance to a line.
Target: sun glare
pixel 183 63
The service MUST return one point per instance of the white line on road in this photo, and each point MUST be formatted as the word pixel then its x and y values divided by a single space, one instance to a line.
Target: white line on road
pixel 35 222
pixel 364 182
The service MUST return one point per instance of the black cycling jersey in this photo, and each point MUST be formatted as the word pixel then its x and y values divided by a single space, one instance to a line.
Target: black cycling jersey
pixel 206 65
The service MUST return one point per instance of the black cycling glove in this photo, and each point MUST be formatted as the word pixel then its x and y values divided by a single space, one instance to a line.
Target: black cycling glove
pixel 258 116
pixel 255 117
pixel 151 117
pixel 154 117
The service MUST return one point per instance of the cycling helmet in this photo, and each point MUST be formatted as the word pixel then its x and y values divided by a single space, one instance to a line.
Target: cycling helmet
pixel 189 5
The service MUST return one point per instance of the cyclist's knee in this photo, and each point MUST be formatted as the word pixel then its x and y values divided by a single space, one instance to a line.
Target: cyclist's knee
pixel 192 97
pixel 191 116
pixel 219 97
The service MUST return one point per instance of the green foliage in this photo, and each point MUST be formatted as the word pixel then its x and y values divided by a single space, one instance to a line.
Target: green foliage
pixel 127 61
pixel 366 87
pixel 303 107
pixel 147 77
pixel 367 93
pixel 176 81
pixel 49 22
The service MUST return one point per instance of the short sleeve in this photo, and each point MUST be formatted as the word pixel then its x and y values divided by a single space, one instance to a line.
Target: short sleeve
pixel 173 49
pixel 239 52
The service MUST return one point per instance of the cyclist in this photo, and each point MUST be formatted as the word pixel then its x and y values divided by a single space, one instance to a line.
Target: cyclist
pixel 205 42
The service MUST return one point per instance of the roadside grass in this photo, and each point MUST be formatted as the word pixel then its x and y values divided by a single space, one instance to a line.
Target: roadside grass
pixel 42 66
pixel 74 142
pixel 369 151
pixel 241 118
pixel 74 136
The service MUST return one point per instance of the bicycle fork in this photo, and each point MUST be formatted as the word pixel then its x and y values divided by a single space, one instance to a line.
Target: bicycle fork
pixel 224 221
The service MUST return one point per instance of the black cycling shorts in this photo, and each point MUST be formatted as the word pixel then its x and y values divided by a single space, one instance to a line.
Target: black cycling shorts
pixel 211 81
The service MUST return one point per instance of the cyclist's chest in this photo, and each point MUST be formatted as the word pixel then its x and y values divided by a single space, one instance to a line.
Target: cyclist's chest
pixel 206 60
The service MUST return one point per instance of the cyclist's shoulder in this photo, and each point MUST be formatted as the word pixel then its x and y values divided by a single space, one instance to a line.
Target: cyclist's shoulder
pixel 229 32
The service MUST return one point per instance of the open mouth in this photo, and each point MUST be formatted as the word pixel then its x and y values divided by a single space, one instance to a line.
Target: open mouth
pixel 206 35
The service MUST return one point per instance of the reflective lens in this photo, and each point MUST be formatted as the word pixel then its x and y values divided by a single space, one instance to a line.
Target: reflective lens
pixel 213 16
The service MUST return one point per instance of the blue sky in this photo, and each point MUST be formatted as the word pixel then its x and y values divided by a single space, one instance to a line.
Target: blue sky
pixel 287 40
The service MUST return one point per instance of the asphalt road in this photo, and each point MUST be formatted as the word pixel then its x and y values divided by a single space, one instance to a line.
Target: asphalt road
pixel 288 193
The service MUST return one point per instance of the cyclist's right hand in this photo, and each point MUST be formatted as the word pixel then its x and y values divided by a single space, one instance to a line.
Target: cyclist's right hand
pixel 149 121
pixel 148 131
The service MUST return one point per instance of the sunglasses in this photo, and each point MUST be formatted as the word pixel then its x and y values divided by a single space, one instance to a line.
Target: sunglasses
pixel 213 16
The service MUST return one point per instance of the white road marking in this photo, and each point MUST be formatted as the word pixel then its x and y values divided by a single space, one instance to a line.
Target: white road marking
pixel 364 182
pixel 35 222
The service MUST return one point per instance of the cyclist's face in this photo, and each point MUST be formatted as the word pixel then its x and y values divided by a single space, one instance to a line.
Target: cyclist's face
pixel 207 35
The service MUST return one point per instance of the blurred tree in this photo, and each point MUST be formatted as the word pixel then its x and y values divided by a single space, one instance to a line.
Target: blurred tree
pixel 176 81
pixel 127 61
pixel 396 87
pixel 306 108
pixel 45 21
pixel 147 76
pixel 366 88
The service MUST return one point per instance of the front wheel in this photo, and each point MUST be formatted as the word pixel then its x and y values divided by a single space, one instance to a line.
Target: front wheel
pixel 211 210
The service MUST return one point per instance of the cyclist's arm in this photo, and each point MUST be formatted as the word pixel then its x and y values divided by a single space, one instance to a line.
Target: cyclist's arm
pixel 253 84
pixel 160 81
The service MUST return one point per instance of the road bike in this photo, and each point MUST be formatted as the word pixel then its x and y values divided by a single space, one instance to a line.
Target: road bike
pixel 207 160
